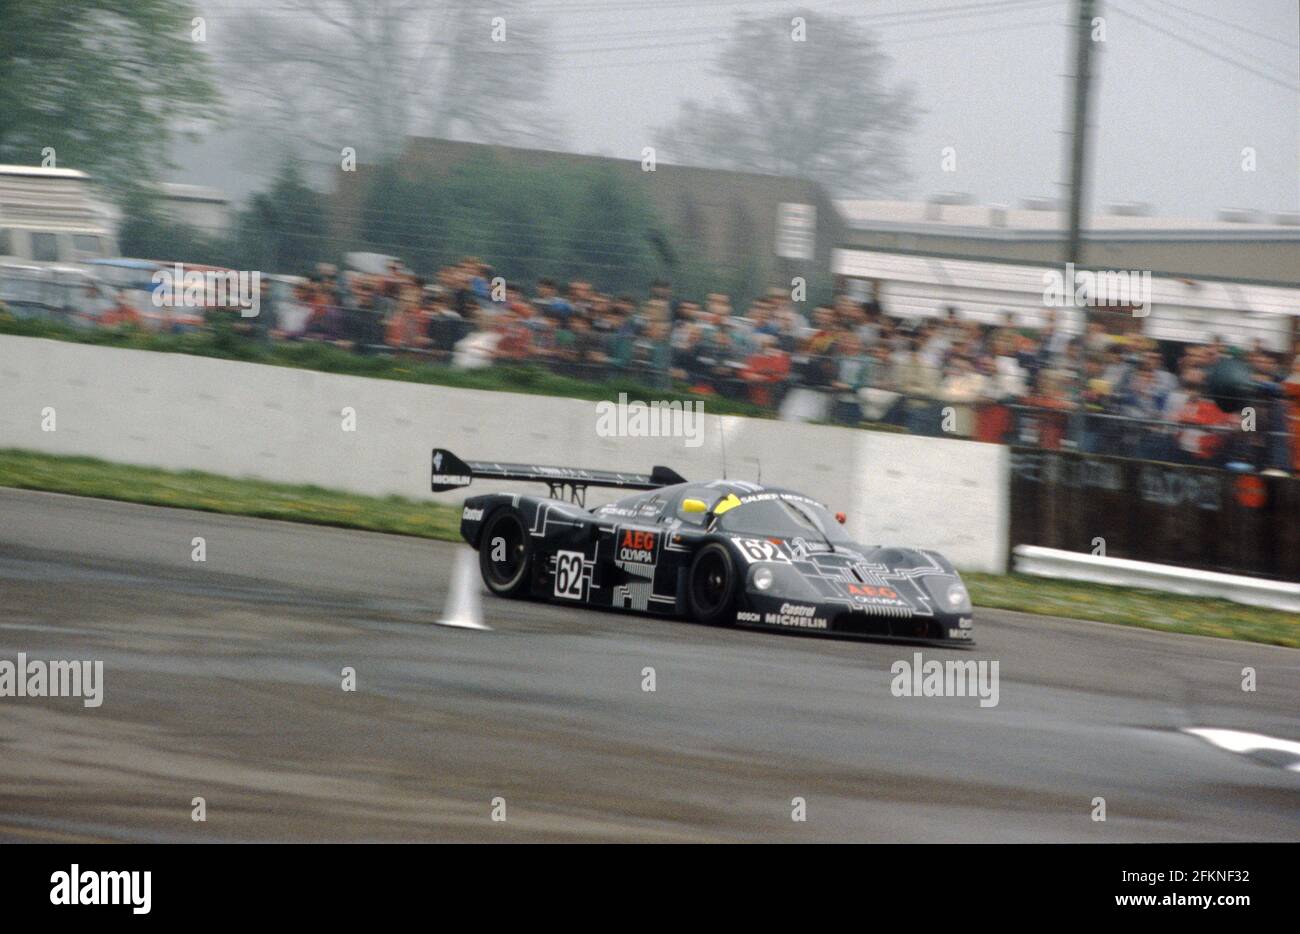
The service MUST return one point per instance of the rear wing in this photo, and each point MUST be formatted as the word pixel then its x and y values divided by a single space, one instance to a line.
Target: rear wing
pixel 450 472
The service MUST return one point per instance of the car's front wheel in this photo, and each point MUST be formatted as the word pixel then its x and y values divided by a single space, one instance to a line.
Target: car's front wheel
pixel 505 553
pixel 712 584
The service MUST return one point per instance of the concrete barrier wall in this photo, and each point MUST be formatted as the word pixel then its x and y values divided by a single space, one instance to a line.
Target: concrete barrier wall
pixel 286 425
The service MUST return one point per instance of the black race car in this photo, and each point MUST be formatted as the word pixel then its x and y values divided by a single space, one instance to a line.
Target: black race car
pixel 722 552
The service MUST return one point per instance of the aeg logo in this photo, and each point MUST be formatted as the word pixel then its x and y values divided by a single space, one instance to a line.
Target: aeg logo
pixel 861 590
pixel 637 546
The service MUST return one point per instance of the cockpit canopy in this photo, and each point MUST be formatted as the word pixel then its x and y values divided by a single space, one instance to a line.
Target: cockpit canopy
pixel 747 509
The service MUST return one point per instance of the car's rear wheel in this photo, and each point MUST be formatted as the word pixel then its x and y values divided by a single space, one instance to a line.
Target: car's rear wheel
pixel 505 554
pixel 711 586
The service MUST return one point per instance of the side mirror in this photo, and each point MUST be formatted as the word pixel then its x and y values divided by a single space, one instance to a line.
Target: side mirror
pixel 694 505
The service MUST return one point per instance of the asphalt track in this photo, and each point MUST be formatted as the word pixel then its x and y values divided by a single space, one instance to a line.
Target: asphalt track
pixel 222 680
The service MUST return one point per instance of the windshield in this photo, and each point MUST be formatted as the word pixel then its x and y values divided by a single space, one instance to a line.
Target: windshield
pixel 783 517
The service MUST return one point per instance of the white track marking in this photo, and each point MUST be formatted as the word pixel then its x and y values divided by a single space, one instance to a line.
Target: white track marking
pixel 1238 741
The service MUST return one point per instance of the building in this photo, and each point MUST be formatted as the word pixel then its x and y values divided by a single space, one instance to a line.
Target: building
pixel 205 209
pixel 770 226
pixel 1235 278
pixel 1177 309
pixel 1243 246
pixel 51 216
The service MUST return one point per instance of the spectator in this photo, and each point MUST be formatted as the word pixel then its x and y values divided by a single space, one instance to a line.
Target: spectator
pixel 846 361
pixel 548 303
pixel 817 358
pixel 1198 442
pixel 406 328
pixel 1053 339
pixel 121 313
pixel 686 365
pixel 1100 434
pixel 480 281
pixel 919 384
pixel 1046 427
pixel 1272 449
pixel 879 396
pixel 325 322
pixel 662 290
pixel 463 302
pixel 853 374
pixel 935 342
pixel 790 327
pixel 766 371
pixel 993 416
pixel 515 336
pixel 963 386
pixel 1142 400
pixel 1291 392
pixel 720 364
pixel 477 349
pixel 652 351
pixel 1165 381
pixel 444 327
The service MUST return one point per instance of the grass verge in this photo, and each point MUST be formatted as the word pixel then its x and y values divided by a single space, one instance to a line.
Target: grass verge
pixel 85 476
pixel 1131 606
pixel 191 489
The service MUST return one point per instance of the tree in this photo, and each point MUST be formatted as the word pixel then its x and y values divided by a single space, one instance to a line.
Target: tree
pixel 104 83
pixel 526 222
pixel 368 73
pixel 818 108
pixel 284 229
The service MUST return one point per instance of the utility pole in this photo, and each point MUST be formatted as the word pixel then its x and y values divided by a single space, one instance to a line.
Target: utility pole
pixel 1086 12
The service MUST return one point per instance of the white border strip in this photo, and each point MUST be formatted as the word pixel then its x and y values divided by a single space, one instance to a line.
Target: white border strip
pixel 1073 565
pixel 1247 743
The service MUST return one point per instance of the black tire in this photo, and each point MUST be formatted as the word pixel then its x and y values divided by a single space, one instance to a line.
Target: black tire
pixel 507 577
pixel 711 586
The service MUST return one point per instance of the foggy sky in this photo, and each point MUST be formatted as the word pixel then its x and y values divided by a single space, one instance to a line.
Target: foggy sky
pixel 1171 121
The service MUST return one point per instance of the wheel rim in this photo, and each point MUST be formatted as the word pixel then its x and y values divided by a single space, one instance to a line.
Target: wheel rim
pixel 506 571
pixel 709 586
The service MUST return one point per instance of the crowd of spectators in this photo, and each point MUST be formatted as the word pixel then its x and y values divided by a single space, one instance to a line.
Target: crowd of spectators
pixel 1109 391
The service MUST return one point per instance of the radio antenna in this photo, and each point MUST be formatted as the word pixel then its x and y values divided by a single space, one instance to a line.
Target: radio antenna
pixel 722 434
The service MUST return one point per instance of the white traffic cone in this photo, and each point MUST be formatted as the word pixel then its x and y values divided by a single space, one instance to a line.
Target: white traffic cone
pixel 464 609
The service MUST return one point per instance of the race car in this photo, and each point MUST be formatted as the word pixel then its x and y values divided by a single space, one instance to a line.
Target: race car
pixel 723 552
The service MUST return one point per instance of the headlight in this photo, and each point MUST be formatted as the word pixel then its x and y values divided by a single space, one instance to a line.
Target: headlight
pixel 948 593
pixel 763 578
